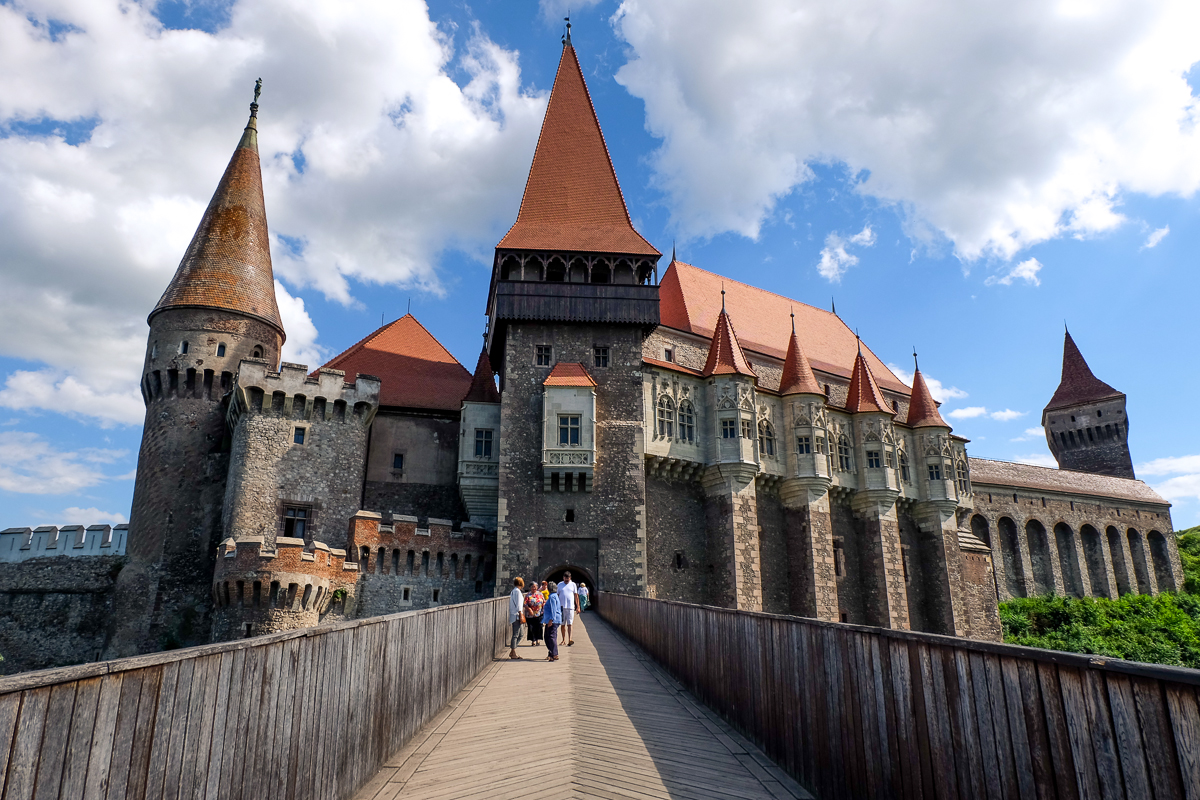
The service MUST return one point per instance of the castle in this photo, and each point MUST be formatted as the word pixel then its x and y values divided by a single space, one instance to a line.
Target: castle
pixel 687 437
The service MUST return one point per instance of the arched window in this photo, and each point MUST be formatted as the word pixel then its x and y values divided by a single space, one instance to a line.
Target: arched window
pixel 960 476
pixel 666 417
pixel 687 422
pixel 843 453
pixel 905 473
pixel 257 353
pixel 221 350
pixel 766 439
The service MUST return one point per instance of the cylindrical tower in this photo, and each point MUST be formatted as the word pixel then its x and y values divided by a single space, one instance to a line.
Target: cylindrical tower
pixel 218 310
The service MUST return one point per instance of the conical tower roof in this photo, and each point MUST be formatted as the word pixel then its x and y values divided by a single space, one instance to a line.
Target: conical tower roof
pixel 572 200
pixel 1078 384
pixel 922 409
pixel 797 377
pixel 864 393
pixel 228 264
pixel 725 356
pixel 483 383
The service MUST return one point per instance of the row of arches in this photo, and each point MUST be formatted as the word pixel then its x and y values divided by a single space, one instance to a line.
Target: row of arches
pixel 195 384
pixel 1037 561
pixel 422 564
pixel 292 597
pixel 320 409
pixel 1094 435
pixel 560 268
pixel 675 423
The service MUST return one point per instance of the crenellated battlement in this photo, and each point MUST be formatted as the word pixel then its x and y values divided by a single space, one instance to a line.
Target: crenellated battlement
pixel 293 393
pixel 47 541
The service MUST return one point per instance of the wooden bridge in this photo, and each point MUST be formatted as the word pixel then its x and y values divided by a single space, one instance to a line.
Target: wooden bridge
pixel 655 700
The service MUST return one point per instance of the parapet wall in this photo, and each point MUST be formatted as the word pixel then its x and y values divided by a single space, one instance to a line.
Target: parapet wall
pixel 22 544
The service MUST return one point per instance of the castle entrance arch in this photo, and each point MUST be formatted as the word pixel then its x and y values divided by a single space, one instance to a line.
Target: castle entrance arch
pixel 579 556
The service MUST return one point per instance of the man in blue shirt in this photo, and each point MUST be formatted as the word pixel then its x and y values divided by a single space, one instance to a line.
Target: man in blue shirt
pixel 551 619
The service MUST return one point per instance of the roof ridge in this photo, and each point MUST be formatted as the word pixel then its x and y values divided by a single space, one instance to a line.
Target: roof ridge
pixel 755 288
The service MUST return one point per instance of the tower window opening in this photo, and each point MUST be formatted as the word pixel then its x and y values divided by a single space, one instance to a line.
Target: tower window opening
pixel 680 560
pixel 766 438
pixel 747 429
pixel 935 472
pixel 406 594
pixel 298 436
pixel 437 593
pixel 483 443
pixel 398 461
pixel 666 417
pixel 221 350
pixel 839 559
pixel 183 348
pixel 295 520
pixel 803 445
pixel 1099 413
pixel 600 356
pixel 728 429
pixel 905 475
pixel 568 430
pixel 258 353
pixel 827 390
pixel 843 454
pixel 669 354
pixel 569 516
pixel 895 407
pixel 542 354
pixel 1072 419
pixel 873 460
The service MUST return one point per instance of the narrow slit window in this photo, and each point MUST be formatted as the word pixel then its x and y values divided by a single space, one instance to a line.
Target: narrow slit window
pixel 398 461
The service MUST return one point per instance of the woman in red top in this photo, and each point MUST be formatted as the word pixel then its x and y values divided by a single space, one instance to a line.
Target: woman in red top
pixel 533 616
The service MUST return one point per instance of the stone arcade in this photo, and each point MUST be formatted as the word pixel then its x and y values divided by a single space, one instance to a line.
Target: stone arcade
pixel 690 438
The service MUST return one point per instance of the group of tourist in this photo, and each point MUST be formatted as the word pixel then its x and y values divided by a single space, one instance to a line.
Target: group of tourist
pixel 547 611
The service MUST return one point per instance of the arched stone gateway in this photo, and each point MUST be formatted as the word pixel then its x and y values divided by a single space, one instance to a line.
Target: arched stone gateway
pixel 578 574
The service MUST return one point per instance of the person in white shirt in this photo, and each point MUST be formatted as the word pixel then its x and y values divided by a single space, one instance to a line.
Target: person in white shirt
pixel 516 614
pixel 568 596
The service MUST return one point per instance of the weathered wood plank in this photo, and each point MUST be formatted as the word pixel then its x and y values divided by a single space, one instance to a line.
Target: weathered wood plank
pixel 52 757
pixel 23 764
pixel 122 746
pixel 1014 703
pixel 95 785
pixel 220 724
pixel 161 743
pixel 1155 721
pixel 1185 723
pixel 79 741
pixel 1128 736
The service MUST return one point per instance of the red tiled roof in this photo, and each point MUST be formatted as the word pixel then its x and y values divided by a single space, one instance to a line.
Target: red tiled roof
pixel 572 200
pixel 414 368
pixel 864 394
pixel 1078 384
pixel 228 263
pixel 725 356
pixel 797 377
pixel 568 374
pixel 922 409
pixel 483 382
pixel 987 472
pixel 671 365
pixel 690 298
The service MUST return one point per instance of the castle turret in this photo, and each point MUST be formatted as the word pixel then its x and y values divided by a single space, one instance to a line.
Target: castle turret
pixel 1085 421
pixel 219 309
pixel 479 445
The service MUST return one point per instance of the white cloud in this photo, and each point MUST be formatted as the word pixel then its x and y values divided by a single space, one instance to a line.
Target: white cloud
pixel 1037 460
pixel 1184 483
pixel 30 465
pixel 89 516
pixel 1169 466
pixel 940 392
pixel 1157 236
pixel 1007 415
pixel 301 346
pixel 970 412
pixel 996 126
pixel 1026 271
pixel 374 161
pixel 835 259
pixel 1031 434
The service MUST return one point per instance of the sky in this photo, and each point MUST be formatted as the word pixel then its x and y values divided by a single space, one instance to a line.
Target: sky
pixel 960 178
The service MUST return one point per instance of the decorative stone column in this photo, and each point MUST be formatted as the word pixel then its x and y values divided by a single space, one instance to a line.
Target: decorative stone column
pixel 883 559
pixel 809 534
pixel 731 511
pixel 937 522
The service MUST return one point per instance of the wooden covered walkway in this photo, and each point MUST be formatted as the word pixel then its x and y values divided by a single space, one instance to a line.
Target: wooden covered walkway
pixel 603 722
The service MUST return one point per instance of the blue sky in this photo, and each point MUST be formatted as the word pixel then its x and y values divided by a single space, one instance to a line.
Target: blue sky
pixel 942 202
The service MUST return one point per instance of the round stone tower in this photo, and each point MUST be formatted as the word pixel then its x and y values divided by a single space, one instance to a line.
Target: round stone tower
pixel 218 310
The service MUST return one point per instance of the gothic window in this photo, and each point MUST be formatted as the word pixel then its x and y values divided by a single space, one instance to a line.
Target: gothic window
pixel 600 356
pixel 483 443
pixel 873 459
pixel 398 461
pixel 766 438
pixel 666 417
pixel 542 354
pixel 935 472
pixel 803 445
pixel 687 422
pixel 728 429
pixel 843 453
pixel 960 474
pixel 568 430
pixel 556 270
pixel 294 521
pixel 905 475
pixel 747 429
pixel 221 350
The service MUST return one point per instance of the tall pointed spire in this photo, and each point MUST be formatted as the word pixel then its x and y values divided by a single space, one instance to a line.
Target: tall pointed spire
pixel 864 394
pixel 922 408
pixel 483 384
pixel 725 356
pixel 572 200
pixel 228 264
pixel 1078 384
pixel 797 377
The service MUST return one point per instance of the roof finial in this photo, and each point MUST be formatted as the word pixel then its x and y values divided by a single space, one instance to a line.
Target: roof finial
pixel 833 305
pixel 793 320
pixel 916 366
pixel 567 36
pixel 257 92
pixel 722 297
pixel 672 251
pixel 859 338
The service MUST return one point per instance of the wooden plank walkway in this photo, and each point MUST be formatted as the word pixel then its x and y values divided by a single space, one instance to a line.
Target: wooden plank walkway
pixel 603 722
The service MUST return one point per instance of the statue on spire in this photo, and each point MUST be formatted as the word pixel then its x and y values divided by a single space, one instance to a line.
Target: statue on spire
pixel 257 90
pixel 567 36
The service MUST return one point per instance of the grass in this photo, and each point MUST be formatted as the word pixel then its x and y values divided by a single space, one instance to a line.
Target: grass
pixel 1163 629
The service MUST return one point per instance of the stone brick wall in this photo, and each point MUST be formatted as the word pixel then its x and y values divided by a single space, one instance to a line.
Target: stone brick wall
pixel 1091 438
pixel 773 553
pixel 677 558
pixel 54 611
pixel 415 499
pixel 614 511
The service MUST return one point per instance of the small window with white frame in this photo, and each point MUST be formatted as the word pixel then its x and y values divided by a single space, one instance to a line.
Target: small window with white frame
pixel 669 354
pixel 729 429
pixel 568 430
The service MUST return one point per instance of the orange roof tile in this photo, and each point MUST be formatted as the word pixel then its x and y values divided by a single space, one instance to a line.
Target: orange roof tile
pixel 572 200
pixel 797 377
pixel 690 298
pixel 725 356
pixel 987 472
pixel 922 408
pixel 671 365
pixel 864 394
pixel 483 382
pixel 414 368
pixel 1078 384
pixel 569 374
pixel 228 263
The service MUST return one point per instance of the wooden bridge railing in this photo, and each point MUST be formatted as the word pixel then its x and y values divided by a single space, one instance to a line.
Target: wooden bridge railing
pixel 852 711
pixel 304 714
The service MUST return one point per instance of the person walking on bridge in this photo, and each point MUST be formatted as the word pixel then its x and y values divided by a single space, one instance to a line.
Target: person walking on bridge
pixel 533 615
pixel 516 615
pixel 568 598
pixel 551 619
